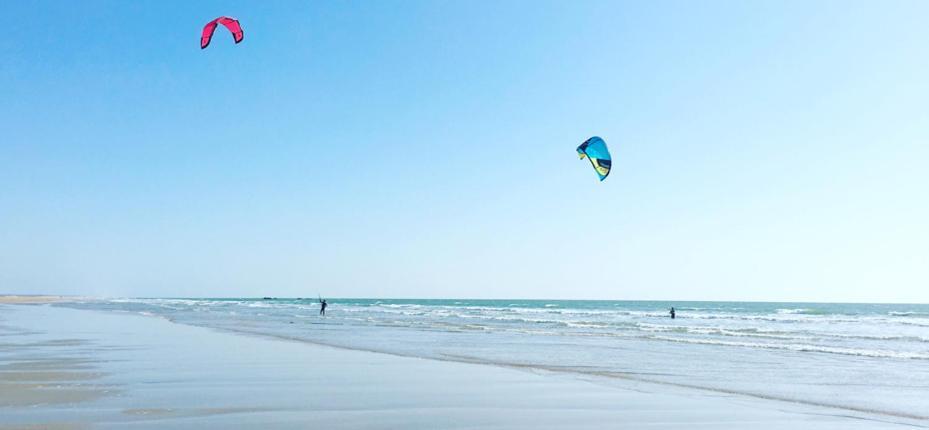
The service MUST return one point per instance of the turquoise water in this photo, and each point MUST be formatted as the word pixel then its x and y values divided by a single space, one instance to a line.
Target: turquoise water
pixel 865 357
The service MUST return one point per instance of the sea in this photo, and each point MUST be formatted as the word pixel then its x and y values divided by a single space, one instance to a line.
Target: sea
pixel 866 358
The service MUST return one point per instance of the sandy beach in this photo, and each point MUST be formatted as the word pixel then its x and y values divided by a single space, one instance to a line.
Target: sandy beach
pixel 71 369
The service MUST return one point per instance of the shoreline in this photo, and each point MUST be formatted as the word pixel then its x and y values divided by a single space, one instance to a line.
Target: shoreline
pixel 151 372
pixel 875 414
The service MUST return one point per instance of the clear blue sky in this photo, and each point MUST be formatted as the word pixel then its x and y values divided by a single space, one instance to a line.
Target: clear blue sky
pixel 761 150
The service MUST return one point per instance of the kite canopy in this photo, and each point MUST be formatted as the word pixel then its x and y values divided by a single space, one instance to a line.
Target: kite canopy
pixel 230 23
pixel 595 150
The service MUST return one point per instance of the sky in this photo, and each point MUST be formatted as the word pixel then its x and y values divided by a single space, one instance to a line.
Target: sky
pixel 764 150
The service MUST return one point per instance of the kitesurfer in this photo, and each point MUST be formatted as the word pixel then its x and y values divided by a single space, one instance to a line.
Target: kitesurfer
pixel 322 306
pixel 672 312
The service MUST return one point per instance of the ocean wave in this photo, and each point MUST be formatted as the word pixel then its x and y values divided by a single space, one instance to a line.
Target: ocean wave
pixel 917 323
pixel 724 331
pixel 587 324
pixel 802 311
pixel 907 314
pixel 874 353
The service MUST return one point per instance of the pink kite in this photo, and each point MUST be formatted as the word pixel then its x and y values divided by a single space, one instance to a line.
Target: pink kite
pixel 231 23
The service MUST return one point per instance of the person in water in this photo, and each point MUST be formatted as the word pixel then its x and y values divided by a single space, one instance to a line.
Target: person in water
pixel 322 306
pixel 672 312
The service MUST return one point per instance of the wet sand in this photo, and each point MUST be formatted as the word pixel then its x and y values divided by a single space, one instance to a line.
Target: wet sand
pixel 71 369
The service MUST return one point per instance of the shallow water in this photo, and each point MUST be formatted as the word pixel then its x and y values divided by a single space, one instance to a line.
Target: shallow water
pixel 864 357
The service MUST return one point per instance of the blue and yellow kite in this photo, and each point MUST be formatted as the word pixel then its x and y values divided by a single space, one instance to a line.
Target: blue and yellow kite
pixel 595 149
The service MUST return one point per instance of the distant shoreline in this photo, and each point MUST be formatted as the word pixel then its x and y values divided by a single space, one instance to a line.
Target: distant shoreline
pixel 25 299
